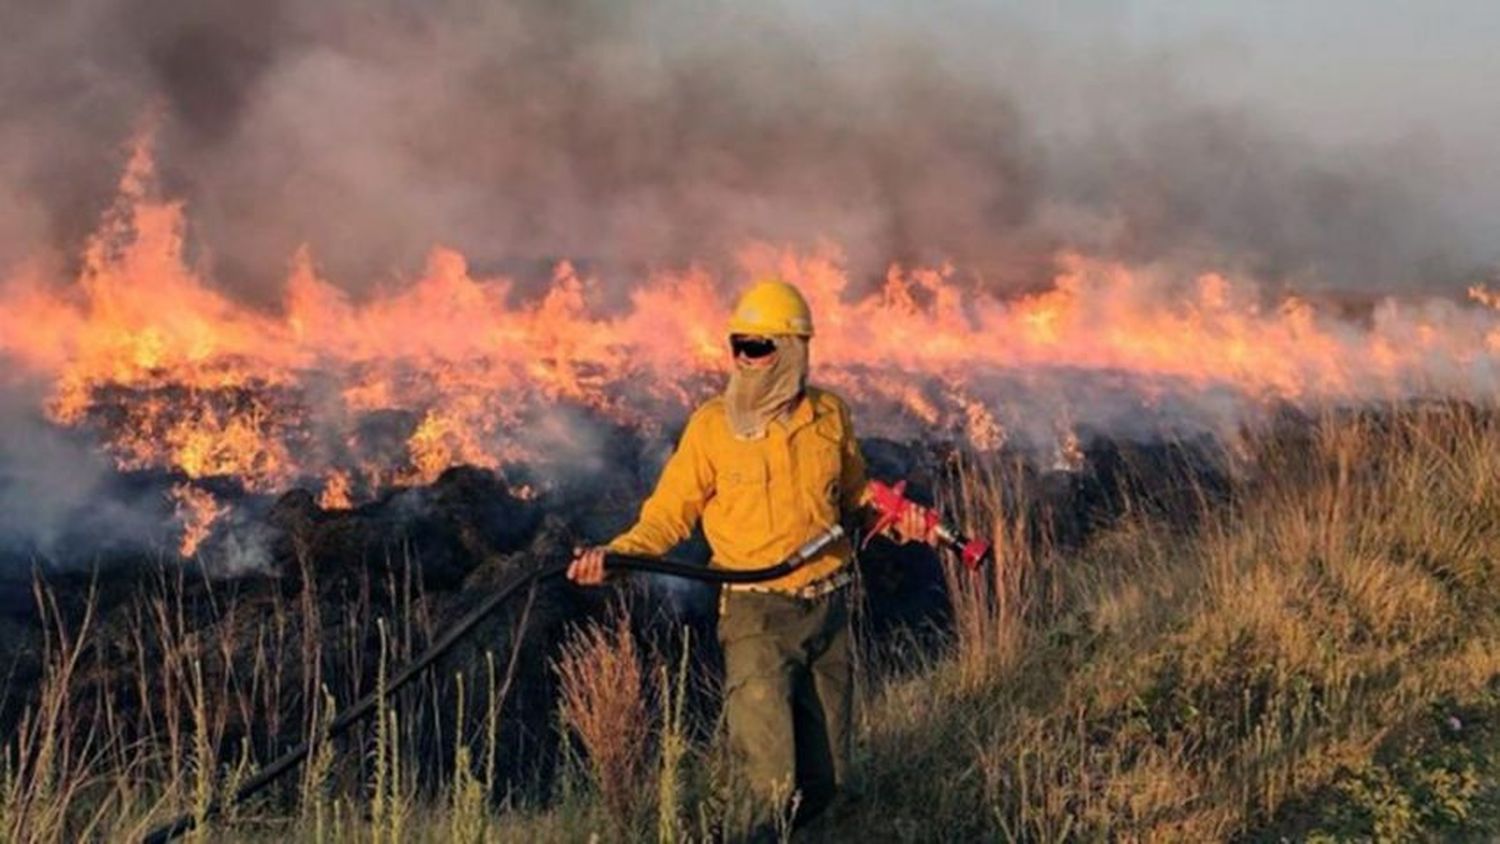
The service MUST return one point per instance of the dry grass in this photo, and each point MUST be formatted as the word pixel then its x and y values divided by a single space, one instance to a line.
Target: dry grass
pixel 1204 685
pixel 604 702
pixel 1312 653
pixel 164 710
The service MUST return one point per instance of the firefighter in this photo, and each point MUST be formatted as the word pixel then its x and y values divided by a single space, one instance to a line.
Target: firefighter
pixel 767 465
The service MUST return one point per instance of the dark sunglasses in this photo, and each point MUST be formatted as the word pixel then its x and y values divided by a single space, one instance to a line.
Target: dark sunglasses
pixel 751 347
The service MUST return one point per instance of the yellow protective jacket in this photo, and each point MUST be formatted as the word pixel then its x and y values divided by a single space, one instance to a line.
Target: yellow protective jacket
pixel 759 499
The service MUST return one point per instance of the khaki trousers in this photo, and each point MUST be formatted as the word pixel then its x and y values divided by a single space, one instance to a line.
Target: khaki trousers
pixel 788 681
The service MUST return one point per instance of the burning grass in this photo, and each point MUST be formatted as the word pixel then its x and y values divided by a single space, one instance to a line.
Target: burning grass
pixel 142 354
pixel 1311 651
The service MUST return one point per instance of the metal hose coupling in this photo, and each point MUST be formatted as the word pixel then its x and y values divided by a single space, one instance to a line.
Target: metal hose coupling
pixel 815 546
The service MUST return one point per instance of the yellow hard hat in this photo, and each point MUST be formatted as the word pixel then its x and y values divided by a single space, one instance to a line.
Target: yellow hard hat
pixel 771 306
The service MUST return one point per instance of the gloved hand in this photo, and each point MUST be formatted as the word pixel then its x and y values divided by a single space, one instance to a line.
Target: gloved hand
pixel 912 527
pixel 587 568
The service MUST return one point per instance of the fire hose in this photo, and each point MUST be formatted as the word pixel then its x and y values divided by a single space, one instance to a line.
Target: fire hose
pixel 366 705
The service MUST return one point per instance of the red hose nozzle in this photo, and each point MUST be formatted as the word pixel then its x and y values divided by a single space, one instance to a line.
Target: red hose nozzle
pixel 891 505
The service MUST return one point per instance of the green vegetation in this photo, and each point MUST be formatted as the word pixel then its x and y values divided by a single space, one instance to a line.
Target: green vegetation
pixel 1312 654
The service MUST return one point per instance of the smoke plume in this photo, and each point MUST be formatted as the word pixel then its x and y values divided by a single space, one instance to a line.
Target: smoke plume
pixel 631 134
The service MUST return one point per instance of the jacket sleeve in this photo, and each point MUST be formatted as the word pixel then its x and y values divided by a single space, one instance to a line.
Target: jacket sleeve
pixel 669 515
pixel 852 478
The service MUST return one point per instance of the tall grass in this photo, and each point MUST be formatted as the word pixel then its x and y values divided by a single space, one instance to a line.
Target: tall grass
pixel 989 604
pixel 169 702
pixel 604 701
pixel 1309 650
pixel 1211 683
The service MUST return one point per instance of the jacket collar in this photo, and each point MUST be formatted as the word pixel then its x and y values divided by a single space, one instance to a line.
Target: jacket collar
pixel 807 410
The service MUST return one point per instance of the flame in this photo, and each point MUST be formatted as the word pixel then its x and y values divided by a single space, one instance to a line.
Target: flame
pixel 1068 456
pixel 174 375
pixel 196 510
pixel 335 495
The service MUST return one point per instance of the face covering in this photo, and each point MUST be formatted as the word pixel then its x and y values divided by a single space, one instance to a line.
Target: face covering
pixel 757 395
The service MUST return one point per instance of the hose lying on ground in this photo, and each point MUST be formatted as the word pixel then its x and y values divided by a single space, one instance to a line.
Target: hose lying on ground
pixel 362 708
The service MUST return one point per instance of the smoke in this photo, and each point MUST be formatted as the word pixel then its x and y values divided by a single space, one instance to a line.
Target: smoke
pixel 60 499
pixel 627 135
pixel 637 134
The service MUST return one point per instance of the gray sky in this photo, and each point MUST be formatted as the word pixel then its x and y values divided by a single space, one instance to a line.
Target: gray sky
pixel 1346 73
pixel 1344 68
